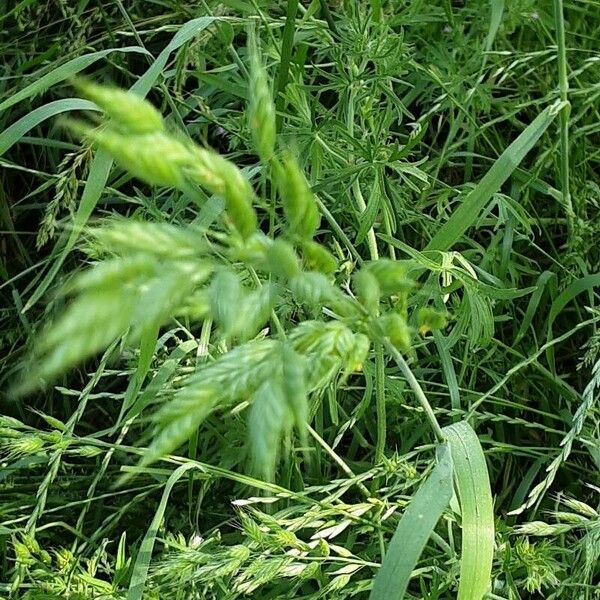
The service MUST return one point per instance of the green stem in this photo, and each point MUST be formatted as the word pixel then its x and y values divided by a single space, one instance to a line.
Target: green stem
pixel 338 460
pixel 416 388
pixel 380 403
pixel 563 83
pixel 374 254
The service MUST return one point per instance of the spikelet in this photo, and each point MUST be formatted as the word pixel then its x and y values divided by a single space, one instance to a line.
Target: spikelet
pixel 126 236
pixel 367 290
pixel 222 177
pixel 282 260
pixel 156 158
pixel 391 275
pixel 269 419
pixel 318 257
pixel 294 387
pixel 299 204
pixel 430 319
pixel 394 327
pixel 128 112
pixel 261 110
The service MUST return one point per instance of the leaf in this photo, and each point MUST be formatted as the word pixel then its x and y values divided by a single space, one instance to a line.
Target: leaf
pixel 368 217
pixel 11 135
pixel 414 529
pixel 144 556
pixel 534 301
pixel 63 72
pixel 475 201
pixel 475 496
pixel 569 293
pixel 497 10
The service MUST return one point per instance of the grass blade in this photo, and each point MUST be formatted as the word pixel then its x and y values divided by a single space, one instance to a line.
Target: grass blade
pixel 287 44
pixel 569 293
pixel 414 530
pixel 475 201
pixel 497 11
pixel 11 135
pixel 144 556
pixel 63 72
pixel 475 496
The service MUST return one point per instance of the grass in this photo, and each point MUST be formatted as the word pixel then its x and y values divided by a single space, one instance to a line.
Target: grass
pixel 322 323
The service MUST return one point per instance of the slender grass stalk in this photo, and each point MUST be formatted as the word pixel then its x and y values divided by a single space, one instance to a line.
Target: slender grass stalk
pixel 380 404
pixel 329 450
pixel 416 388
pixel 374 254
pixel 201 356
pixel 563 83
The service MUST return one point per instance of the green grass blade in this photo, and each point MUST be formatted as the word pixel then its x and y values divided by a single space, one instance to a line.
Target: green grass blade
pixel 473 486
pixel 470 208
pixel 534 302
pixel 447 369
pixel 497 11
pixel 287 44
pixel 11 135
pixel 63 72
pixel 569 293
pixel 414 530
pixel 144 556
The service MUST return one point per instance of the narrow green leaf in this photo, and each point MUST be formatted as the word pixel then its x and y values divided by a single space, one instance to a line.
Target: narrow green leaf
pixel 414 529
pixel 475 201
pixel 497 10
pixel 11 135
pixel 63 72
pixel 569 293
pixel 473 486
pixel 144 556
pixel 448 369
pixel 534 302
pixel 287 44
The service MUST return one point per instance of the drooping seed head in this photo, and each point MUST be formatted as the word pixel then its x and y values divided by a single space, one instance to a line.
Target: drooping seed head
pixel 220 176
pixel 261 110
pixel 299 203
pixel 317 257
pixel 156 158
pixel 128 112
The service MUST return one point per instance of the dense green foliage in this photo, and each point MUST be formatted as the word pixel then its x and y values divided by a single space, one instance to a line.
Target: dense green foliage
pixel 325 301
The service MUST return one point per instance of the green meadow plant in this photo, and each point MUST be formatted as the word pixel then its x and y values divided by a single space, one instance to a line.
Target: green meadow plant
pixel 236 276
pixel 305 305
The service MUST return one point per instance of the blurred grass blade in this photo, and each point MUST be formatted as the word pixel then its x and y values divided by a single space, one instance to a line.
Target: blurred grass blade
pixel 63 72
pixel 475 201
pixel 569 293
pixel 414 529
pixel 447 369
pixel 102 163
pixel 534 302
pixel 144 556
pixel 11 135
pixel 287 44
pixel 475 496
pixel 497 10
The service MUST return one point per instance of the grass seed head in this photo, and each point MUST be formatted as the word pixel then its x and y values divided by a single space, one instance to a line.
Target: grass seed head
pixel 128 112
pixel 261 110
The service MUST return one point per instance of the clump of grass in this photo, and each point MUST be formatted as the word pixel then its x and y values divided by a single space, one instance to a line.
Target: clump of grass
pixel 340 283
